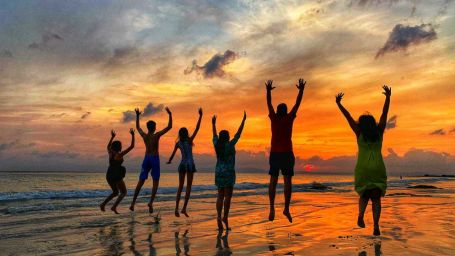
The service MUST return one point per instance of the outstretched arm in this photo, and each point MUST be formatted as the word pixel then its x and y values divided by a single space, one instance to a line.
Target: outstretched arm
pixel 173 154
pixel 198 125
pixel 269 88
pixel 169 124
pixel 301 87
pixel 385 110
pixel 138 127
pixel 214 126
pixel 126 151
pixel 239 131
pixel 110 141
pixel 346 114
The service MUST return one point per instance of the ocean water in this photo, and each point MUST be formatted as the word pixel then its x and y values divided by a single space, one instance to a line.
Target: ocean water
pixel 22 193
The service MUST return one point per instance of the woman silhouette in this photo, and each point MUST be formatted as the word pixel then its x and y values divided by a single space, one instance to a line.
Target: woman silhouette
pixel 370 171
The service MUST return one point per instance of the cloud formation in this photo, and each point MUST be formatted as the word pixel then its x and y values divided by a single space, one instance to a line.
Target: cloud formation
pixel 438 132
pixel 213 67
pixel 6 54
pixel 392 122
pixel 85 115
pixel 149 110
pixel 46 40
pixel 402 37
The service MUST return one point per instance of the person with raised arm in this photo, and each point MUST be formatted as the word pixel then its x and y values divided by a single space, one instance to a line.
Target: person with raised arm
pixel 185 144
pixel 225 170
pixel 116 172
pixel 151 159
pixel 281 152
pixel 370 172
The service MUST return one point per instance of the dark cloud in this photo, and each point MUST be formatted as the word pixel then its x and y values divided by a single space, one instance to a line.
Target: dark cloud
pixel 57 115
pixel 149 110
pixel 85 115
pixel 438 132
pixel 402 37
pixel 214 67
pixel 6 54
pixel 453 130
pixel 5 146
pixel 56 154
pixel 46 40
pixel 392 122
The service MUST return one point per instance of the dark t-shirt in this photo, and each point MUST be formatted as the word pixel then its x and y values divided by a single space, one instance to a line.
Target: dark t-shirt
pixel 282 132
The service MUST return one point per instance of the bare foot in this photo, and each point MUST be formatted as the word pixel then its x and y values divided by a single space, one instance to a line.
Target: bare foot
pixel 376 231
pixel 176 212
pixel 150 205
pixel 360 222
pixel 185 213
pixel 226 222
pixel 288 215
pixel 220 224
pixel 114 209
pixel 102 207
pixel 272 215
pixel 132 207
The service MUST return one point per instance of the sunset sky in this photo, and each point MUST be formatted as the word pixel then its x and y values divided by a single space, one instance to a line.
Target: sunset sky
pixel 70 71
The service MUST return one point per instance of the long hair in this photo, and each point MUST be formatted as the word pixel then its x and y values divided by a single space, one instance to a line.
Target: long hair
pixel 223 138
pixel 183 135
pixel 368 128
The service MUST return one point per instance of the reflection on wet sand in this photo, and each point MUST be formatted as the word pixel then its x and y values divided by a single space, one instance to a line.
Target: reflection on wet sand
pixel 377 250
pixel 111 240
pixel 186 243
pixel 154 228
pixel 222 244
pixel 132 236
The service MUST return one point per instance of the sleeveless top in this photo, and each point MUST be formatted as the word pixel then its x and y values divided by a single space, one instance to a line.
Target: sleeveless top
pixel 186 150
pixel 370 171
pixel 116 171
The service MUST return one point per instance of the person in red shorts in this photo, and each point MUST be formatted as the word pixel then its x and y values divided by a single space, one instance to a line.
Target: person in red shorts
pixel 281 153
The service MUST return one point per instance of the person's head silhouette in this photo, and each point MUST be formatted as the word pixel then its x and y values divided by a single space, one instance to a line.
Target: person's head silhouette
pixel 116 146
pixel 282 109
pixel 151 126
pixel 368 127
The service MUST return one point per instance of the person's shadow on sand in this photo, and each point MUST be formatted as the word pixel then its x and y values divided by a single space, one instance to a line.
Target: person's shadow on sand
pixel 377 250
pixel 222 244
pixel 186 243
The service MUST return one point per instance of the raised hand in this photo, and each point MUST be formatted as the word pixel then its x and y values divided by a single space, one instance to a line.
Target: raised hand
pixel 113 133
pixel 244 115
pixel 132 131
pixel 200 111
pixel 214 119
pixel 168 110
pixel 301 85
pixel 338 97
pixel 387 90
pixel 138 112
pixel 268 85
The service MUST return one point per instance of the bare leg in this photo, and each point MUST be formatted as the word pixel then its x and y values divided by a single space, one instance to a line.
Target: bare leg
pixel 219 207
pixel 227 205
pixel 139 185
pixel 272 192
pixel 363 202
pixel 189 183
pixel 121 186
pixel 110 197
pixel 179 192
pixel 155 185
pixel 287 196
pixel 376 202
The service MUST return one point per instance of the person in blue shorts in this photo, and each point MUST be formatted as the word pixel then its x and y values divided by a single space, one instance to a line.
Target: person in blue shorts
pixel 151 163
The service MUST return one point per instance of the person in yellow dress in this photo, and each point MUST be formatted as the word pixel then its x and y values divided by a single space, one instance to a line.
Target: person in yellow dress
pixel 370 172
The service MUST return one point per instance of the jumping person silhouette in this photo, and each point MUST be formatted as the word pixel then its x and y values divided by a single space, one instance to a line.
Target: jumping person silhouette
pixel 186 167
pixel 116 172
pixel 225 169
pixel 151 158
pixel 281 153
pixel 370 171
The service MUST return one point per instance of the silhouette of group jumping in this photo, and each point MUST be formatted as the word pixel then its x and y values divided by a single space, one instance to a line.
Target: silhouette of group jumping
pixel 370 178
